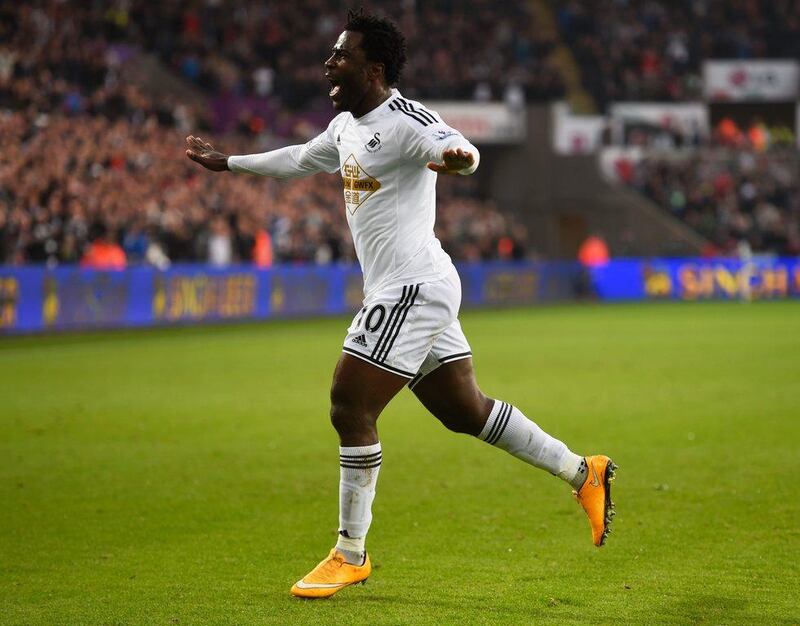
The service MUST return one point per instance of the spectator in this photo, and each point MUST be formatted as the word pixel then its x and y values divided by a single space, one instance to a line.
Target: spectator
pixel 220 243
pixel 730 196
pixel 102 253
pixel 593 252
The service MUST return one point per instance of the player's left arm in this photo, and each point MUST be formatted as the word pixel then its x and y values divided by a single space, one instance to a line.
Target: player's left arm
pixel 440 148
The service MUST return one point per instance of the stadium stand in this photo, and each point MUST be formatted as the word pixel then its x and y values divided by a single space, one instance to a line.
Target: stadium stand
pixel 738 187
pixel 275 49
pixel 83 147
pixel 647 50
pixel 59 177
pixel 64 83
pixel 733 196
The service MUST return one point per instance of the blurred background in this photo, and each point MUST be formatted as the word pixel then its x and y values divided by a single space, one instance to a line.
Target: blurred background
pixel 617 129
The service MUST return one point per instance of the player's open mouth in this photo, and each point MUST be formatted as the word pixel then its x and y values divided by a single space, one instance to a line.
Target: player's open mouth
pixel 335 86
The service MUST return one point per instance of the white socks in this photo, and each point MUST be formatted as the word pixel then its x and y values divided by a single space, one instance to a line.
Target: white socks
pixel 358 475
pixel 507 428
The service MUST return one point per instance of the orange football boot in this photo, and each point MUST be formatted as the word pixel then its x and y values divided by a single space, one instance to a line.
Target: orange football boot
pixel 595 496
pixel 330 576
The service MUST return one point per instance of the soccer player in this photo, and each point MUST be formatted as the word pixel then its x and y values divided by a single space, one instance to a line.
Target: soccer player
pixel 389 150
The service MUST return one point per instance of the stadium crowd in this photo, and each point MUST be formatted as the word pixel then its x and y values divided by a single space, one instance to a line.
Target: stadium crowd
pixel 274 49
pixel 62 57
pixel 68 55
pixel 89 157
pixel 739 198
pixel 647 50
pixel 64 184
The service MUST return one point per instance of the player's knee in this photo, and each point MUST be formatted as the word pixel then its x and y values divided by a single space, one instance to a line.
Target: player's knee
pixel 348 418
pixel 341 416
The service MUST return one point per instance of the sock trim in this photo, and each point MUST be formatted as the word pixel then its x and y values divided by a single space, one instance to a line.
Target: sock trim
pixel 359 466
pixel 359 456
pixel 500 423
pixel 361 461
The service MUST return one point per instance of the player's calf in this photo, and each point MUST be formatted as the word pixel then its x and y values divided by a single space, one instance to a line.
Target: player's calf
pixel 590 477
pixel 508 429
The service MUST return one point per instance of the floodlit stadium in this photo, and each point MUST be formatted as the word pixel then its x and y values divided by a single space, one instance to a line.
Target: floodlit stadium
pixel 236 238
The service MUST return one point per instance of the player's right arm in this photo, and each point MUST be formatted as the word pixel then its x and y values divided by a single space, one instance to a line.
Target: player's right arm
pixel 318 155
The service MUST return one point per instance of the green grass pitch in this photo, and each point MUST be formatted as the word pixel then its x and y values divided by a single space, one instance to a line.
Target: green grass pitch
pixel 189 476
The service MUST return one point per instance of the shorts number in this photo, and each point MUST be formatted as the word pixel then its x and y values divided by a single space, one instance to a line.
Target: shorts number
pixel 360 317
pixel 371 324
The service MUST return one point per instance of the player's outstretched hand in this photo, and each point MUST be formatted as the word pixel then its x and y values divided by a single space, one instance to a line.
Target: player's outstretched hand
pixel 203 153
pixel 453 161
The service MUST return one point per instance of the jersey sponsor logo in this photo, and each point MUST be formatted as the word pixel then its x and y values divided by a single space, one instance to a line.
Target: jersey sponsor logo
pixel 440 135
pixel 358 184
pixel 374 144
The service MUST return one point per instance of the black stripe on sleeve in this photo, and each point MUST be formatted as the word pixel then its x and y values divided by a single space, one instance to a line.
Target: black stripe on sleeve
pixel 411 111
pixel 404 110
pixel 424 113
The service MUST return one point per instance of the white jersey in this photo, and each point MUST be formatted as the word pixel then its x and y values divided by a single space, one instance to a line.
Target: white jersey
pixel 389 193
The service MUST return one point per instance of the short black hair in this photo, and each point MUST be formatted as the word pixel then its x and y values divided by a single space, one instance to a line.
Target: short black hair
pixel 382 42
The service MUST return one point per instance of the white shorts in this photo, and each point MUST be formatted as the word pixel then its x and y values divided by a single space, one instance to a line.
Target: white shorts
pixel 410 330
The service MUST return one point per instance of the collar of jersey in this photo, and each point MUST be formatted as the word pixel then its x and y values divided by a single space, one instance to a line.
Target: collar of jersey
pixel 365 119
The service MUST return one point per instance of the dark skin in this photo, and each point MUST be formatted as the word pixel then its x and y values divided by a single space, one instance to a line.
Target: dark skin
pixel 360 390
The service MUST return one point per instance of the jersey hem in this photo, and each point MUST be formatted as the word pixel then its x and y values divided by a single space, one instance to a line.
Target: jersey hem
pixel 404 279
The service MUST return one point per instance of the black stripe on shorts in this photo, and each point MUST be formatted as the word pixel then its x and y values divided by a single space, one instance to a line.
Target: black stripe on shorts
pixel 406 309
pixel 389 322
pixel 368 358
pixel 453 357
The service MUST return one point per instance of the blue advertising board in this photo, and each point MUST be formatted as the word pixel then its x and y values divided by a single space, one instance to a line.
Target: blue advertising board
pixel 35 299
pixel 698 279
